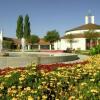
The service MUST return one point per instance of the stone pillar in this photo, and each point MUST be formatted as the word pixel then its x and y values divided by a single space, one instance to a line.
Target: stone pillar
pixel 28 46
pixel 50 46
pixel 39 47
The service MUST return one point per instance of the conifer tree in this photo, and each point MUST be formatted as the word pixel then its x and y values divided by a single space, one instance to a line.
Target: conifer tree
pixel 27 30
pixel 19 30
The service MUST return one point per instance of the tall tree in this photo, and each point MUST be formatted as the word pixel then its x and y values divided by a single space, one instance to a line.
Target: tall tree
pixel 19 30
pixel 27 30
pixel 52 36
pixel 34 39
pixel 92 35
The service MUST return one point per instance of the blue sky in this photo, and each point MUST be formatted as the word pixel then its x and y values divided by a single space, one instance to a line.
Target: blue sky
pixel 46 15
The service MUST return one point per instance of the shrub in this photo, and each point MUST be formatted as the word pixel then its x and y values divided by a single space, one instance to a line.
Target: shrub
pixel 95 50
pixel 7 44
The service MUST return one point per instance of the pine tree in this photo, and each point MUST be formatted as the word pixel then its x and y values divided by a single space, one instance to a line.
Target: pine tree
pixel 27 30
pixel 19 30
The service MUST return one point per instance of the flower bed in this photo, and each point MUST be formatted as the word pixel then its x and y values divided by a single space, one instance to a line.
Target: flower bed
pixel 80 81
pixel 51 67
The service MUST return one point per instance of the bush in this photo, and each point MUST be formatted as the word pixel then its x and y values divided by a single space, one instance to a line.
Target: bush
pixel 7 44
pixel 95 50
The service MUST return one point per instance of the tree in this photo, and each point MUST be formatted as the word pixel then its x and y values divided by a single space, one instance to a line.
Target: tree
pixel 27 30
pixel 52 36
pixel 70 39
pixel 34 39
pixel 92 35
pixel 19 30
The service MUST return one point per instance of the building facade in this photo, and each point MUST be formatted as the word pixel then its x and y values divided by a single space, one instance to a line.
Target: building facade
pixel 79 39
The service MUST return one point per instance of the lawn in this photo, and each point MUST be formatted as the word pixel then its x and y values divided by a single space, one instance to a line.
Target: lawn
pixel 78 81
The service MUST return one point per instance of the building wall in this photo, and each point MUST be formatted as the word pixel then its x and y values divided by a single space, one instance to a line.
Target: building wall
pixel 80 43
pixel 60 45
pixel 63 44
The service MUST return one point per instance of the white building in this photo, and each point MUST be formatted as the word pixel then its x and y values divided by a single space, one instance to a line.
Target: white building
pixel 80 41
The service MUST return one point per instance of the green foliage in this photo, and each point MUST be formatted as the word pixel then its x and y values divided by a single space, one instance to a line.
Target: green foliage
pixel 19 30
pixel 23 30
pixel 52 36
pixel 70 39
pixel 34 39
pixel 12 80
pixel 7 44
pixel 27 29
pixel 95 50
pixel 91 34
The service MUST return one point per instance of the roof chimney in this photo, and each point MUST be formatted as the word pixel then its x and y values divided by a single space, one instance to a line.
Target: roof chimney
pixel 86 20
pixel 92 19
pixel 89 18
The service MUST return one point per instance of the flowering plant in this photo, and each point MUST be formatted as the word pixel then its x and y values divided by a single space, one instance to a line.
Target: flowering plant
pixel 79 81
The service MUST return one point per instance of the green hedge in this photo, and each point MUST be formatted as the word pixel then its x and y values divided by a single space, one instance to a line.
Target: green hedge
pixel 95 50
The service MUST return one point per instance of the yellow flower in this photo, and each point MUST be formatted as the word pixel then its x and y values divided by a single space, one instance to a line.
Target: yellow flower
pixel 35 91
pixel 58 83
pixel 51 84
pixel 92 80
pixel 13 87
pixel 1 87
pixel 14 91
pixel 28 88
pixel 83 84
pixel 8 75
pixel 94 74
pixel 30 73
pixel 79 65
pixel 71 97
pixel 9 90
pixel 81 97
pixel 21 78
pixel 1 95
pixel 30 98
pixel 38 98
pixel 19 87
pixel 14 98
pixel 39 87
pixel 43 82
pixel 94 90
pixel 44 97
pixel 22 75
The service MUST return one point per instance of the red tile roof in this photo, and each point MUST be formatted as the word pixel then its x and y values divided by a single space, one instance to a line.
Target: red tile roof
pixel 17 41
pixel 77 36
pixel 85 27
pixel 43 42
